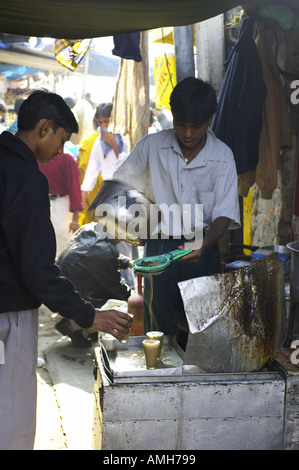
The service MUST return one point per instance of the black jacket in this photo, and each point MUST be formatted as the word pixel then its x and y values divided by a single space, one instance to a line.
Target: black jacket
pixel 93 265
pixel 238 120
pixel 28 274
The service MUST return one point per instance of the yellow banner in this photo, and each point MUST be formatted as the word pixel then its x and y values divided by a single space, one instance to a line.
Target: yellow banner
pixel 165 80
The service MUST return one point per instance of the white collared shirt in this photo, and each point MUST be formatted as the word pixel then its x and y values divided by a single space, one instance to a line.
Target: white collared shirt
pixel 156 168
pixel 98 164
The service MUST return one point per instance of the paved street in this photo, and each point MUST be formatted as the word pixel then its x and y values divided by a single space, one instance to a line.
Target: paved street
pixel 65 391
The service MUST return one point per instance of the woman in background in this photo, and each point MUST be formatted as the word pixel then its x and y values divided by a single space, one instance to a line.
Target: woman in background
pixel 107 154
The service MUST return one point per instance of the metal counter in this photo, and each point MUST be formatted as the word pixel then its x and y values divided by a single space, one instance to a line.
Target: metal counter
pixel 227 391
pixel 174 407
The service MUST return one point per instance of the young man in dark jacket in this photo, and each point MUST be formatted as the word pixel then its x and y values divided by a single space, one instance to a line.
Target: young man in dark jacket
pixel 28 275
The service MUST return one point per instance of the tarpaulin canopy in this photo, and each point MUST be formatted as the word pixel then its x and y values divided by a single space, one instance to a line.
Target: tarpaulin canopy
pixel 73 19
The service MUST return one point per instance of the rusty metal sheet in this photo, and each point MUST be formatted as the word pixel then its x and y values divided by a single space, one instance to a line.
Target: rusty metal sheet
pixel 236 319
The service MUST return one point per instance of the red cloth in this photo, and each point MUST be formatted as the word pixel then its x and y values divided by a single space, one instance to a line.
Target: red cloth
pixel 63 178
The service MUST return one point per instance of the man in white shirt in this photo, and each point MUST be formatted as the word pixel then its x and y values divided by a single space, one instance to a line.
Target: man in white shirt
pixel 186 166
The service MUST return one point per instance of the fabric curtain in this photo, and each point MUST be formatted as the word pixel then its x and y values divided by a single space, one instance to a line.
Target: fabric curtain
pixel 131 112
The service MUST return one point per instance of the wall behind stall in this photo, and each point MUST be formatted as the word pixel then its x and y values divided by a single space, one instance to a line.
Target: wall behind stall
pixel 272 220
pixel 265 221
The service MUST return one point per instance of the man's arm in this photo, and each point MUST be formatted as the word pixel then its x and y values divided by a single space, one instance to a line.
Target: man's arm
pixel 215 232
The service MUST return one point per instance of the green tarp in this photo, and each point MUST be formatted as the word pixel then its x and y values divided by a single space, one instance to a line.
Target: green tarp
pixel 72 19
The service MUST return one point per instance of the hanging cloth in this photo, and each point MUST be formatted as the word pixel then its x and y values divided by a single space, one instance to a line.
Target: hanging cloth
pixel 295 221
pixel 131 103
pixel 70 53
pixel 276 136
pixel 238 120
pixel 126 46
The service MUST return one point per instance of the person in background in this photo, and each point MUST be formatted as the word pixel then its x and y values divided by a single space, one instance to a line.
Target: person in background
pixel 185 167
pixel 69 147
pixel 29 276
pixel 107 154
pixel 13 128
pixel 154 124
pixel 161 117
pixel 93 264
pixel 71 102
pixel 83 112
pixel 84 152
pixel 88 98
pixel 65 196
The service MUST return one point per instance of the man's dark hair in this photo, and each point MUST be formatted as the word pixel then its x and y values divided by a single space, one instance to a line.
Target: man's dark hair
pixel 193 100
pixel 42 104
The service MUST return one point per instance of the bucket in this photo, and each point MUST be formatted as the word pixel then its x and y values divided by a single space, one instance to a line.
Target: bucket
pixel 294 274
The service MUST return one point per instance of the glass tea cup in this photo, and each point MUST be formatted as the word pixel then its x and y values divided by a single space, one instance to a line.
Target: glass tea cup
pixel 158 335
pixel 125 337
pixel 151 350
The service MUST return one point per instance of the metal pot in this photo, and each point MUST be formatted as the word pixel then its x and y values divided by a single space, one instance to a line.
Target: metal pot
pixel 122 212
pixel 294 276
pixel 281 249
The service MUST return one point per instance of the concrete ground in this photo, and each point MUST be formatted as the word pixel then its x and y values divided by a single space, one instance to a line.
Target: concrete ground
pixel 65 390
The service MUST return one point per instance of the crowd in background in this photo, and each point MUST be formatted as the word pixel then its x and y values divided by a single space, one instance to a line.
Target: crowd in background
pixel 94 150
pixel 75 177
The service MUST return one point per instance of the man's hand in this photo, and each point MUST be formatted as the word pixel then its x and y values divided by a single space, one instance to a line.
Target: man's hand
pixel 215 232
pixel 73 227
pixel 112 322
pixel 192 257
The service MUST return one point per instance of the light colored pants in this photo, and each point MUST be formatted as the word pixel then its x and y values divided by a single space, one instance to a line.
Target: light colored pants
pixel 18 386
pixel 61 217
